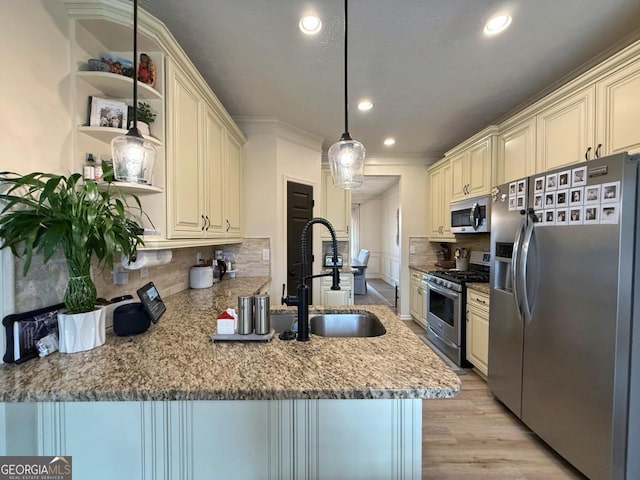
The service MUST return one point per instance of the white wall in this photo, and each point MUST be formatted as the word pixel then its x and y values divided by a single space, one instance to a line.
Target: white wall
pixel 274 154
pixel 371 228
pixel 35 117
pixel 390 257
pixel 412 195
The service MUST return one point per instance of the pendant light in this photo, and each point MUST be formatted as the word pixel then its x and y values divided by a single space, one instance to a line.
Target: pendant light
pixel 346 157
pixel 133 156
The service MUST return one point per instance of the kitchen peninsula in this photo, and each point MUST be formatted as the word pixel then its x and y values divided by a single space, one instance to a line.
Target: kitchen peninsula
pixel 170 404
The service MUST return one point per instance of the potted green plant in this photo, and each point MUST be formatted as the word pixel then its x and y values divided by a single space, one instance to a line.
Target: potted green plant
pixel 145 117
pixel 42 212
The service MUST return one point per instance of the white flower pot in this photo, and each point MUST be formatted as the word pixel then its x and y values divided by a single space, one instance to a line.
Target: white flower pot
pixel 79 332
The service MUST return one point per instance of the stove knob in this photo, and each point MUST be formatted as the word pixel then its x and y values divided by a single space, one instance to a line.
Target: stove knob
pixel 440 281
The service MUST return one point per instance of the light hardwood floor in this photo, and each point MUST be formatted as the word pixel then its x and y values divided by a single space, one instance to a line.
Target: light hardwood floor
pixel 473 436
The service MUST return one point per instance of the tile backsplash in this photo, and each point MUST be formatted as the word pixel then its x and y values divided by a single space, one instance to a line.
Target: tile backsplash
pixel 425 251
pixel 44 284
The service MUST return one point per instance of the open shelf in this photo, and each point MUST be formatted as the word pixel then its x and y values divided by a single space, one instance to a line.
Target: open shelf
pixel 106 134
pixel 130 187
pixel 118 86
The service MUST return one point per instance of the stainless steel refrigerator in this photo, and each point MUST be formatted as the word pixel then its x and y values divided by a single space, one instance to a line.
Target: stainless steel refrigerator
pixel 563 350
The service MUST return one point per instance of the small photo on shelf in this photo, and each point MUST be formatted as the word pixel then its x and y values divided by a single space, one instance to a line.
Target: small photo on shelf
pixel 104 112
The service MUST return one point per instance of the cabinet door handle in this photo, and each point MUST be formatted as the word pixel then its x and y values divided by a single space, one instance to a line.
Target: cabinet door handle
pixel 228 225
pixel 598 150
pixel 586 154
pixel 208 222
pixel 481 301
pixel 203 223
pixel 347 229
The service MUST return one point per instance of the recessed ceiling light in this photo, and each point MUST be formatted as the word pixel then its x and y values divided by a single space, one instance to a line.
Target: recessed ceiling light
pixel 389 141
pixel 497 24
pixel 365 105
pixel 310 25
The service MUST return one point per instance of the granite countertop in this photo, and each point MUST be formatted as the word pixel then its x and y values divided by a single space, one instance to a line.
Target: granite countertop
pixel 481 287
pixel 175 360
pixel 423 268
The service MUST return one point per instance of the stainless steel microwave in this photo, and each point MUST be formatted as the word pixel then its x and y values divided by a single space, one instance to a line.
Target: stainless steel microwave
pixel 471 215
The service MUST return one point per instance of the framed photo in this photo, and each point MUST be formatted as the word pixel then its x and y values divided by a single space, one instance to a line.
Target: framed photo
pixel 575 196
pixel 564 179
pixel 591 194
pixel 512 203
pixel 549 200
pixel 537 201
pixel 591 215
pixel 549 217
pixel 562 198
pixel 575 216
pixel 609 213
pixel 520 201
pixel 610 192
pixel 579 177
pixel 539 217
pixel 552 182
pixel 522 187
pixel 107 113
pixel 562 216
pixel 538 185
pixel 512 188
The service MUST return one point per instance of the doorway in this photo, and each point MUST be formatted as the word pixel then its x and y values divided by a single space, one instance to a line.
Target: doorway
pixel 299 212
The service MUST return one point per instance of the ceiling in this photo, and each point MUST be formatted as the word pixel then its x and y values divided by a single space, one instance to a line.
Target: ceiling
pixel 433 77
pixel 373 186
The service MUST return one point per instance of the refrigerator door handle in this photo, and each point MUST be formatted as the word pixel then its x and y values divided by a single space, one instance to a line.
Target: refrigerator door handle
pixel 524 259
pixel 514 263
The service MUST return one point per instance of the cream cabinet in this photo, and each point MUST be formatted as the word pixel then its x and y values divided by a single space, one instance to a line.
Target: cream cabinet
pixel 344 296
pixel 566 131
pixel 516 151
pixel 478 330
pixel 471 169
pixel 203 165
pixel 336 207
pixel 618 108
pixel 418 305
pixel 439 194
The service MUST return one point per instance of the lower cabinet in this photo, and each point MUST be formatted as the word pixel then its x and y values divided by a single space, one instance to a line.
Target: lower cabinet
pixel 179 440
pixel 418 307
pixel 478 330
pixel 344 296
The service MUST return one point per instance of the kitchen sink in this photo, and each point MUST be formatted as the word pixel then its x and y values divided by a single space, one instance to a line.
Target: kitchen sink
pixel 347 325
pixel 334 324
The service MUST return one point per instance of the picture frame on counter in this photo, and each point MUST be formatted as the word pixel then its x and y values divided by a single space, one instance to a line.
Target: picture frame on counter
pixel 104 112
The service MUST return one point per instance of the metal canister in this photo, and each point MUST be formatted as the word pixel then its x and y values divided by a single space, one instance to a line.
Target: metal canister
pixel 245 314
pixel 262 316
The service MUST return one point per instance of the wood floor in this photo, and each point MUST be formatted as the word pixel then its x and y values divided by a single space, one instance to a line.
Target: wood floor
pixel 473 436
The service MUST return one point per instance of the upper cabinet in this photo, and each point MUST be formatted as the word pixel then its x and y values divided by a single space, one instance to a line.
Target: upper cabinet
pixel 618 107
pixel 336 207
pixel 566 130
pixel 471 164
pixel 516 156
pixel 195 196
pixel 592 116
pixel 438 217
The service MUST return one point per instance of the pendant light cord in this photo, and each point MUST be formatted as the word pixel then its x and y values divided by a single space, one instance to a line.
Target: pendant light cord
pixel 346 97
pixel 135 64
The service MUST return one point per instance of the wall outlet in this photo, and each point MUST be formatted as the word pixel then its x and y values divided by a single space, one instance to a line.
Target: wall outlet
pixel 198 258
pixel 265 254
pixel 412 249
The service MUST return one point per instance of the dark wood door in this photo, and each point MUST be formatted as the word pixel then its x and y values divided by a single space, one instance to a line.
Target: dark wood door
pixel 299 212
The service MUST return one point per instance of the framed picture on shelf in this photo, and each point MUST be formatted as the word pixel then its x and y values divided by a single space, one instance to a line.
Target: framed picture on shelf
pixel 104 112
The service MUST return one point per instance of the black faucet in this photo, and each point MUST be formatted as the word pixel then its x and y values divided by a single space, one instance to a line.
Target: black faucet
pixel 301 300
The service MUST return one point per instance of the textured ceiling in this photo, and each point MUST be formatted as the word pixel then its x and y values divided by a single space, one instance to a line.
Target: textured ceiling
pixel 434 78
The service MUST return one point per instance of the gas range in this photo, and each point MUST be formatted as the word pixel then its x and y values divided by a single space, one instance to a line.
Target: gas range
pixel 456 279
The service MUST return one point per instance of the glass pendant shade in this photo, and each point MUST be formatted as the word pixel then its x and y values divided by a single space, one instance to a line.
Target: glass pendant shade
pixel 346 159
pixel 133 159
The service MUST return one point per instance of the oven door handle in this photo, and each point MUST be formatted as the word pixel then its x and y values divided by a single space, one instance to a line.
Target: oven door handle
pixel 442 339
pixel 443 291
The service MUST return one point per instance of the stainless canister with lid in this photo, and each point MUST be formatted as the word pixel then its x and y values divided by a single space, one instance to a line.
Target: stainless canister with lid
pixel 245 314
pixel 262 316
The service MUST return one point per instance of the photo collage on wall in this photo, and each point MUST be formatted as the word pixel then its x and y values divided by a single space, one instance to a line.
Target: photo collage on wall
pixel 564 198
